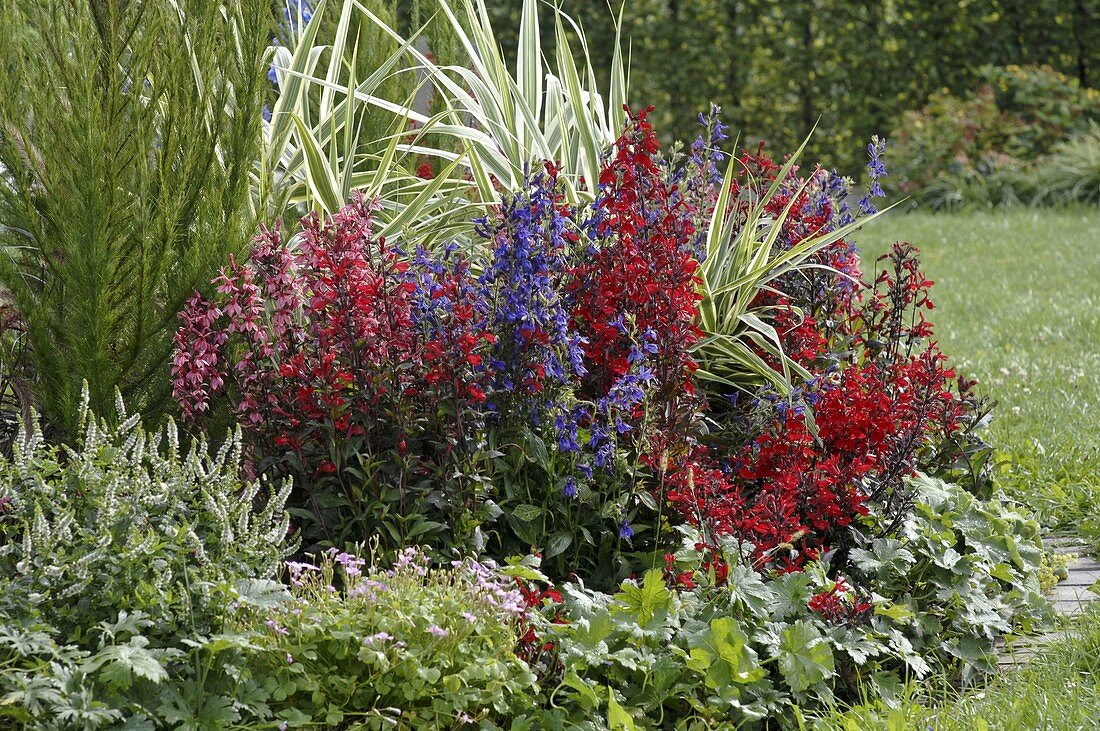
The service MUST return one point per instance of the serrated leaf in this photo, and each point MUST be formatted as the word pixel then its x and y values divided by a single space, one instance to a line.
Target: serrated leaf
pixel 722 654
pixel 805 658
pixel 896 612
pixel 228 641
pixel 792 593
pixel 262 593
pixel 746 588
pixel 646 602
pixel 119 665
pixel 526 568
pixel 591 630
pixel 888 557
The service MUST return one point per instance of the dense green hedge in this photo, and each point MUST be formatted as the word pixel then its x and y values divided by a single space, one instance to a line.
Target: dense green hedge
pixel 776 68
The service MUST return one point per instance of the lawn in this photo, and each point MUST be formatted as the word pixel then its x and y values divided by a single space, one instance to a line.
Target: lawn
pixel 1018 307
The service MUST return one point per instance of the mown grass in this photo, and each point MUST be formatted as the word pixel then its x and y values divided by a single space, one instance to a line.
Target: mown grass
pixel 1018 306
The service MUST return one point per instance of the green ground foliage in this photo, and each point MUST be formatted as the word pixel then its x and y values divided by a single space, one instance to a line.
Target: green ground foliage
pixel 1057 692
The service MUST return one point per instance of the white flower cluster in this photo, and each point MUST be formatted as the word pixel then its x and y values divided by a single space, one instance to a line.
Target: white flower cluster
pixel 123 511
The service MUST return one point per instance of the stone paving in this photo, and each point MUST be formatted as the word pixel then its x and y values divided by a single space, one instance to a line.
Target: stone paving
pixel 1069 597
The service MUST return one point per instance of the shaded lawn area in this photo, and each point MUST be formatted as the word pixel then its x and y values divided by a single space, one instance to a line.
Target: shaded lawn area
pixel 1017 299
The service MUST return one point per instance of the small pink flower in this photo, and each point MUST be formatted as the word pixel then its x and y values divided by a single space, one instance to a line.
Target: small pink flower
pixel 276 627
pixel 375 638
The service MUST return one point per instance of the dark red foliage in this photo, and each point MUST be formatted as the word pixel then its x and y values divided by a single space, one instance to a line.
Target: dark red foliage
pixel 801 490
pixel 534 598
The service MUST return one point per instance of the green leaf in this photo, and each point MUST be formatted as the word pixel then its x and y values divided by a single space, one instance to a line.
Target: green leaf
pixel 526 512
pixel 1003 572
pixel 524 567
pixel 747 589
pixel 294 717
pixel 896 612
pixel 262 593
pixel 646 602
pixel 805 658
pixel 119 665
pixel 585 693
pixel 558 543
pixel 225 641
pixel 887 558
pixel 536 449
pixel 722 654
pixel 617 718
pixel 948 559
pixel 792 593
pixel 322 178
pixel 592 629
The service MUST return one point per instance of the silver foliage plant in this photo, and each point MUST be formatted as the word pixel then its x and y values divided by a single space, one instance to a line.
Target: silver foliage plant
pixel 125 520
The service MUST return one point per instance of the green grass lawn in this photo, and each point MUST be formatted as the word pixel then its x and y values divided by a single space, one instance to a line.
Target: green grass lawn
pixel 1018 306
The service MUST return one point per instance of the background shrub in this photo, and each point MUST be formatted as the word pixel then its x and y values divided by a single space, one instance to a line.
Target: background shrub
pixel 868 63
pixel 995 146
pixel 1071 172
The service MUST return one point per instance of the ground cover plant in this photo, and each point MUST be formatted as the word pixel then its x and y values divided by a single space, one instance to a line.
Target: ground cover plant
pixel 568 430
pixel 1053 692
pixel 119 556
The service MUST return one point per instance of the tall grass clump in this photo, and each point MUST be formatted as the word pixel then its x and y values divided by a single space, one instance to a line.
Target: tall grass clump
pixel 1071 173
pixel 128 134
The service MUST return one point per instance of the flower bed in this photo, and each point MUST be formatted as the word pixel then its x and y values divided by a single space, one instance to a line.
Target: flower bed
pixel 635 447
